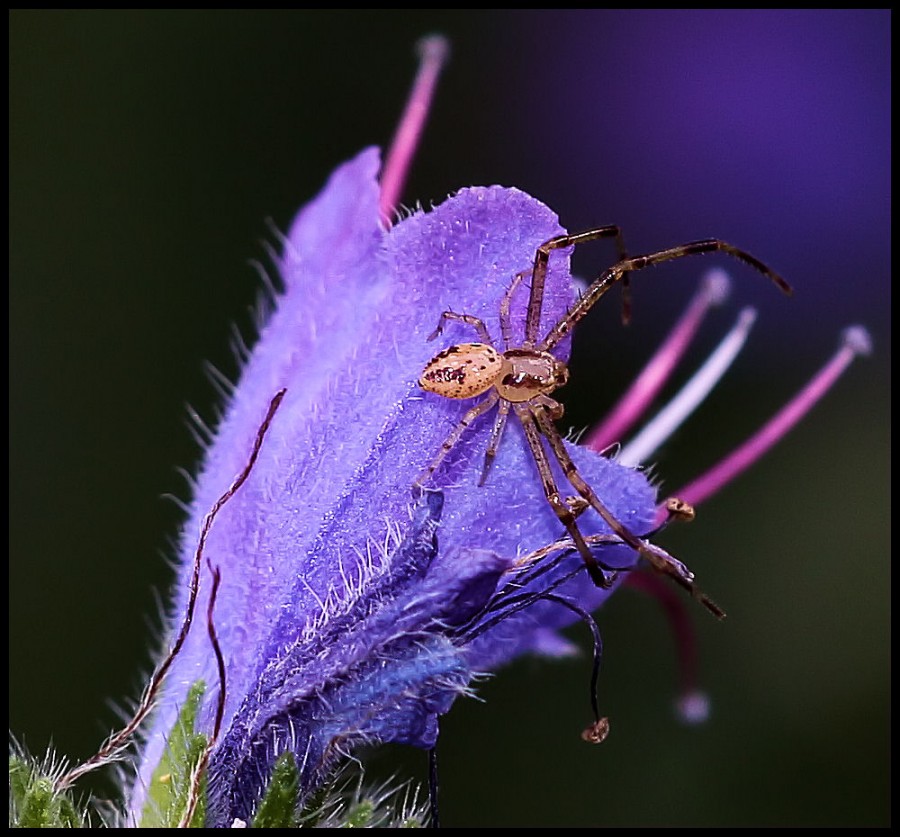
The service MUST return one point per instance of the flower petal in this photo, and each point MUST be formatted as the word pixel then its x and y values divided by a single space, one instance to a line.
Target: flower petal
pixel 342 594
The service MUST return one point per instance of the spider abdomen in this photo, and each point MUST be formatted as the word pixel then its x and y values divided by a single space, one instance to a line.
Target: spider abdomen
pixel 462 371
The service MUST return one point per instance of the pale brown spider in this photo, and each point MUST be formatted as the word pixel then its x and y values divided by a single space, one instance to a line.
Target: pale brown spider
pixel 524 377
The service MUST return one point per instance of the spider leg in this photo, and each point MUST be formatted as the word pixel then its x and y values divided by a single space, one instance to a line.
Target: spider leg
pixel 468 319
pixel 660 560
pixel 505 322
pixel 462 425
pixel 539 272
pixel 496 435
pixel 557 503
pixel 620 270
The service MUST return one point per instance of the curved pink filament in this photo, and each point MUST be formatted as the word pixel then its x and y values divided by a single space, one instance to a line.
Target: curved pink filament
pixel 658 369
pixel 855 342
pixel 433 52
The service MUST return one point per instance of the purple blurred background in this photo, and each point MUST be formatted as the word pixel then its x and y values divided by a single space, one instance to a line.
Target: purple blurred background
pixel 769 128
pixel 147 151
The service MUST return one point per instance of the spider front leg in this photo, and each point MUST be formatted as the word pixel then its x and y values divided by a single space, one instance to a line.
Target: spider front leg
pixel 617 273
pixel 659 559
pixel 562 509
pixel 468 319
pixel 505 303
pixel 539 273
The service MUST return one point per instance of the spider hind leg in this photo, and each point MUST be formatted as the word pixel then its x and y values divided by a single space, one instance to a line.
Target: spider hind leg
pixel 601 576
pixel 659 559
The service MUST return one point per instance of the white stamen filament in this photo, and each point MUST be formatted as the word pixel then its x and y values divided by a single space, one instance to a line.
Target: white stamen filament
pixel 713 291
pixel 694 392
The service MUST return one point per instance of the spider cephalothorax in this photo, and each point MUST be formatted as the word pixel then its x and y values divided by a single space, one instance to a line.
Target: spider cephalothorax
pixel 523 378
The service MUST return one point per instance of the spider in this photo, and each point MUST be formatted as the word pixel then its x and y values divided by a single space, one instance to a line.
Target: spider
pixel 522 379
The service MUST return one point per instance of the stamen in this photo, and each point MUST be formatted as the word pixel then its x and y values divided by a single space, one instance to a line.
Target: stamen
pixel 199 773
pixel 600 728
pixel 435 819
pixel 116 743
pixel 690 397
pixel 433 53
pixel 692 704
pixel 713 291
pixel 855 341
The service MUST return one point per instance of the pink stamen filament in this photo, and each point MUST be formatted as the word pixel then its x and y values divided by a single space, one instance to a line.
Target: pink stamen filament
pixel 692 704
pixel 690 396
pixel 855 341
pixel 433 52
pixel 114 745
pixel 647 385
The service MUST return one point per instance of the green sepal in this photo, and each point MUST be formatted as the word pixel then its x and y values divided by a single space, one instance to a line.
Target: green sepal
pixel 412 822
pixel 318 805
pixel 171 782
pixel 360 814
pixel 33 800
pixel 278 808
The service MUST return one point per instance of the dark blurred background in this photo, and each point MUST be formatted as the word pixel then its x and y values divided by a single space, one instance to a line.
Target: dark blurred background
pixel 148 150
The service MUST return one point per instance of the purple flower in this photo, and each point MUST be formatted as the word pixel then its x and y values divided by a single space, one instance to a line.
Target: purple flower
pixel 349 610
pixel 354 608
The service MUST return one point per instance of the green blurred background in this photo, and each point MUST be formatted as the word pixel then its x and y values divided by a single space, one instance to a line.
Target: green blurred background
pixel 148 150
